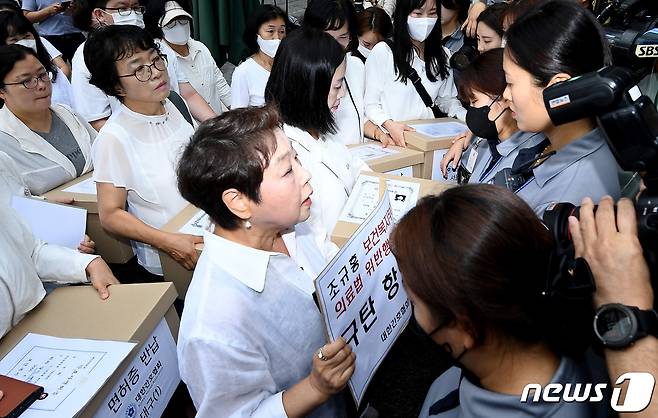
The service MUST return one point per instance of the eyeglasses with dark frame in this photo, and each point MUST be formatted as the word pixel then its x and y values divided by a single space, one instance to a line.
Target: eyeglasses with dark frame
pixel 32 82
pixel 125 11
pixel 144 72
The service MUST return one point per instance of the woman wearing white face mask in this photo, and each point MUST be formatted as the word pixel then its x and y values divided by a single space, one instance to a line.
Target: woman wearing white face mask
pixel 373 26
pixel 90 102
pixel 16 29
pixel 265 29
pixel 194 57
pixel 414 53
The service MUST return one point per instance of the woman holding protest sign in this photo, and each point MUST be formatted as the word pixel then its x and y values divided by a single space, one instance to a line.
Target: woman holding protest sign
pixel 250 331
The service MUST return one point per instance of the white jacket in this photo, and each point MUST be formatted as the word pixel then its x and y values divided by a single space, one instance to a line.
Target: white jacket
pixel 26 261
pixel 31 142
pixel 334 171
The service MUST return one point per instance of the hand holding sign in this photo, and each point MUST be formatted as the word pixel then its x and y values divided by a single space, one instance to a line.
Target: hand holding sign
pixel 332 367
pixel 362 297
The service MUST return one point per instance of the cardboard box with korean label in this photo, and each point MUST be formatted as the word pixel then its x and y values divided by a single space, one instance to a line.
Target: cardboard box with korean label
pixel 83 192
pixel 391 160
pixel 189 221
pixel 403 192
pixel 142 313
pixel 434 137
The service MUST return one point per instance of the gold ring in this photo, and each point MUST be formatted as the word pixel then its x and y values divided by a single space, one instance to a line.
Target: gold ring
pixel 321 355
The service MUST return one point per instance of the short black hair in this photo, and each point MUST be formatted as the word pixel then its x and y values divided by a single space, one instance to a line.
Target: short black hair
pixel 263 13
pixel 229 151
pixel 109 44
pixel 15 23
pixel 557 36
pixel 9 56
pixel 82 11
pixel 301 77
pixel 333 15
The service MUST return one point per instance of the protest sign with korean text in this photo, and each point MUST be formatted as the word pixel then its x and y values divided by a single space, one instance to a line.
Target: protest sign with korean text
pixel 362 298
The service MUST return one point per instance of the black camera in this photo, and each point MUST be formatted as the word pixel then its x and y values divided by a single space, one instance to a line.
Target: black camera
pixel 465 55
pixel 629 28
pixel 629 122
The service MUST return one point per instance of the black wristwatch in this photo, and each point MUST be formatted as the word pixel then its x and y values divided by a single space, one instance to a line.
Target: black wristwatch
pixel 618 326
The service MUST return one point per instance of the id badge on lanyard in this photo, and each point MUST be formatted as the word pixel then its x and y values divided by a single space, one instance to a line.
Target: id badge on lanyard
pixel 473 156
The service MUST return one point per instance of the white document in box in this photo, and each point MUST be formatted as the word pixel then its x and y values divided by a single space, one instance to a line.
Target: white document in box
pixel 362 298
pixel 51 222
pixel 196 224
pixel 70 370
pixel 440 129
pixel 365 197
pixel 87 186
pixel 369 152
pixel 436 169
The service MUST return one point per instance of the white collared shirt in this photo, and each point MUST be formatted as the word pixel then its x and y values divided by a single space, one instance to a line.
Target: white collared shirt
pixel 350 116
pixel 140 153
pixel 334 170
pixel 204 75
pixel 248 84
pixel 248 332
pixel 387 97
pixel 41 165
pixel 26 261
pixel 91 103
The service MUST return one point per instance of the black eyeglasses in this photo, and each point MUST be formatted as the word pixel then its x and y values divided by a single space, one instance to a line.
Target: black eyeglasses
pixel 144 72
pixel 125 11
pixel 32 82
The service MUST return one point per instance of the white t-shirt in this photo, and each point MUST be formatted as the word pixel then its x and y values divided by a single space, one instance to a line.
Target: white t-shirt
pixel 387 97
pixel 248 84
pixel 62 91
pixel 350 117
pixel 91 103
pixel 334 171
pixel 204 75
pixel 140 153
pixel 50 48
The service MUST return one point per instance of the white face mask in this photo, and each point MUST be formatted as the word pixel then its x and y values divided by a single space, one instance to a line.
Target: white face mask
pixel 29 43
pixel 420 27
pixel 363 50
pixel 179 34
pixel 133 18
pixel 268 46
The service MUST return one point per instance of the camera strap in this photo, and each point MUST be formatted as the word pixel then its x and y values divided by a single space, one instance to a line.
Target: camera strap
pixel 422 92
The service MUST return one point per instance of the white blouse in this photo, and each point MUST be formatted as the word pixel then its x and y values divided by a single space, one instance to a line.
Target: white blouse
pixel 334 170
pixel 248 84
pixel 140 153
pixel 249 331
pixel 350 117
pixel 388 98
pixel 203 74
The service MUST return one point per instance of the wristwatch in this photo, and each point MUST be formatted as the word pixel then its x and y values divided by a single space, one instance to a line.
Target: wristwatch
pixel 618 326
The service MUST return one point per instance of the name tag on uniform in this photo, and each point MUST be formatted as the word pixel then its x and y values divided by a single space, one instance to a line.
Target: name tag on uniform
pixel 472 157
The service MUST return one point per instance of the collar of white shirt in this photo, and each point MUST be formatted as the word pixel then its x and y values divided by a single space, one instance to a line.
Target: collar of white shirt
pixel 246 264
pixel 193 51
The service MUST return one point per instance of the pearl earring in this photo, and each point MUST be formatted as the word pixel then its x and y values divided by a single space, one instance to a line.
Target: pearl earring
pixel 247 224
